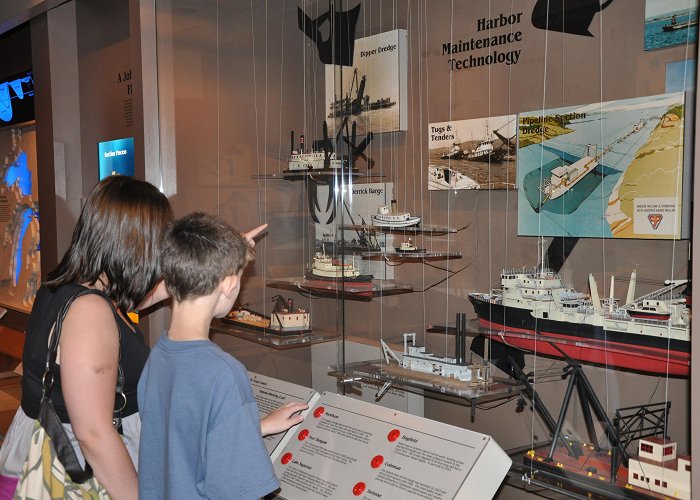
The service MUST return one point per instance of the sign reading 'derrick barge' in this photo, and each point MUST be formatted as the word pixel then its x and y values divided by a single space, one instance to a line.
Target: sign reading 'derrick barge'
pixel 351 449
pixel 270 394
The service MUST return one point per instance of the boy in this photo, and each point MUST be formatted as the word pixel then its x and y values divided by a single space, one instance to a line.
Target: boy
pixel 200 426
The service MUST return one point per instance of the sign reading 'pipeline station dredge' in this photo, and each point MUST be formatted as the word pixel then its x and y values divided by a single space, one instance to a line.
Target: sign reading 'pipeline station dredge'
pixel 496 45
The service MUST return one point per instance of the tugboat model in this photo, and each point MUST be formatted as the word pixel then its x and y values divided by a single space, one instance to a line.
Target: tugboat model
pixel 408 247
pixel 286 318
pixel 328 268
pixel 649 334
pixel 390 217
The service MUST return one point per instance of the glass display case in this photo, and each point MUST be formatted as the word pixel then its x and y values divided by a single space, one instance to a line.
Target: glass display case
pixel 479 214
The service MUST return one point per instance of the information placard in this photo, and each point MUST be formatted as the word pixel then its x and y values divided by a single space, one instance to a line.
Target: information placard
pixel 347 448
pixel 271 393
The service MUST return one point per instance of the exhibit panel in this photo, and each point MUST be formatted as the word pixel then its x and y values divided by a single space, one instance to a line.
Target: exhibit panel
pixel 480 212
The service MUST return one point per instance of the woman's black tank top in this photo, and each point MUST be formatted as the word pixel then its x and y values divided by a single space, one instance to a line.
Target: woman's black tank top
pixel 47 304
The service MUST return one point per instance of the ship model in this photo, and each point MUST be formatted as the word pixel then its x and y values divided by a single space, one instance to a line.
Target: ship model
pixel 301 160
pixel 286 318
pixel 417 358
pixel 390 217
pixel 327 268
pixel 407 246
pixel 534 309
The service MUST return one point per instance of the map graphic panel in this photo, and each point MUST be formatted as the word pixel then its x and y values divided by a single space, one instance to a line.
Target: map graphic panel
pixel 19 218
pixel 604 170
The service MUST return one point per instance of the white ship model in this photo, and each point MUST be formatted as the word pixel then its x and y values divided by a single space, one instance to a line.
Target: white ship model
pixel 407 246
pixel 659 469
pixel 649 334
pixel 315 160
pixel 300 160
pixel 325 267
pixel 417 358
pixel 288 317
pixel 390 217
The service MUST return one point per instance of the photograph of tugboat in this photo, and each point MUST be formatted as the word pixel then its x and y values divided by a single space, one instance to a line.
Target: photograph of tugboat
pixel 473 154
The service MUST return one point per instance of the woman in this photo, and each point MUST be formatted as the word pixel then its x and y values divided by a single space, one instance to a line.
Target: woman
pixel 115 249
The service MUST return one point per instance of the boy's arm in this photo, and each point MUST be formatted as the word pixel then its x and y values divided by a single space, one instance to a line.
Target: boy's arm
pixel 282 418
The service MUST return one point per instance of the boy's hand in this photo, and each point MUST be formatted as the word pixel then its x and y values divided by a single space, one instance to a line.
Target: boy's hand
pixel 282 418
pixel 250 235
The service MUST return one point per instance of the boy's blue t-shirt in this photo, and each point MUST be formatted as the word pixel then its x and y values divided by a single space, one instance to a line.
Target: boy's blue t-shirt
pixel 200 426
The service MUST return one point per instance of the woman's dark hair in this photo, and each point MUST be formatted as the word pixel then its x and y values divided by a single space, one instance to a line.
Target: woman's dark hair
pixel 117 238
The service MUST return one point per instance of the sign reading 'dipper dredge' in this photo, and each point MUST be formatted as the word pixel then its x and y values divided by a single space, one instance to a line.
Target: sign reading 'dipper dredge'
pixel 351 449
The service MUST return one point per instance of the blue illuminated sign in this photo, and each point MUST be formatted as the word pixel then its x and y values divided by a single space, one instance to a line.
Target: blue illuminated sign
pixel 116 157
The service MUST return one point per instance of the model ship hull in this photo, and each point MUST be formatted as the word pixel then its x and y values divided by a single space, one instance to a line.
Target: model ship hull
pixel 403 222
pixel 335 277
pixel 626 348
pixel 282 324
pixel 592 469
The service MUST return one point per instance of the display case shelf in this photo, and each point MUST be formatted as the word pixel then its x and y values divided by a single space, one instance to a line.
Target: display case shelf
pixel 414 255
pixel 419 229
pixel 380 372
pixel 352 290
pixel 270 339
pixel 316 175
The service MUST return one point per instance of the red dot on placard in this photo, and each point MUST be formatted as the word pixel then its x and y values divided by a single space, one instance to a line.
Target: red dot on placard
pixel 393 435
pixel 319 411
pixel 303 434
pixel 358 489
pixel 286 458
pixel 377 461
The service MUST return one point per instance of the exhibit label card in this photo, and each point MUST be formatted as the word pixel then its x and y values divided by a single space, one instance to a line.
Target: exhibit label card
pixel 347 448
pixel 270 394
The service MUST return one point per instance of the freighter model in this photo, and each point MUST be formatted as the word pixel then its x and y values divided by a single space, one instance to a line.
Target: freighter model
pixel 534 309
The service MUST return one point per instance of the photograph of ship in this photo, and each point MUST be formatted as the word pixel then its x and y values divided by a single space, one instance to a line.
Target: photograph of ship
pixel 670 22
pixel 604 170
pixel 472 154
pixel 372 92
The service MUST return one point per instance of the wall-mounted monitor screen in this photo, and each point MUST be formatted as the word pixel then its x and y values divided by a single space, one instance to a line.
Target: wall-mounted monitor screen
pixel 116 157
pixel 17 99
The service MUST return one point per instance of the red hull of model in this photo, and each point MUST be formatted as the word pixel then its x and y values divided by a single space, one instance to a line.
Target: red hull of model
pixel 612 354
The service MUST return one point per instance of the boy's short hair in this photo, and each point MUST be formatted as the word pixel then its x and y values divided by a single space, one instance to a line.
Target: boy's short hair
pixel 198 252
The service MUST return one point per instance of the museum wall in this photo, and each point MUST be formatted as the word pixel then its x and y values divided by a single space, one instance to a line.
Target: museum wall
pixel 238 81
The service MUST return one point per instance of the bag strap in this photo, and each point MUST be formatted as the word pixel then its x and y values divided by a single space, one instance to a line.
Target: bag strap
pixel 47 414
